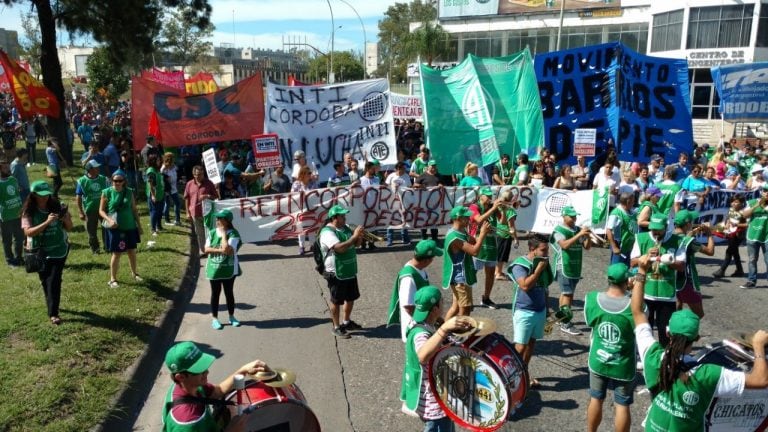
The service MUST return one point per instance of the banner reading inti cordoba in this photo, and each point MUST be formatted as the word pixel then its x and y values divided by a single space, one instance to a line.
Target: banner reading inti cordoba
pixel 327 121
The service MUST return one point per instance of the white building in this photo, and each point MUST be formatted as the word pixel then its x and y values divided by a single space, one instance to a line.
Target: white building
pixel 706 32
pixel 73 61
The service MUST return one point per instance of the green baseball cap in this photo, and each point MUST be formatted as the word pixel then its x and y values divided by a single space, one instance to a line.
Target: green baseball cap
pixel 337 210
pixel 765 187
pixel 427 249
pixel 224 214
pixel 486 191
pixel 376 162
pixel 685 323
pixel 432 163
pixel 685 216
pixel 658 222
pixel 569 211
pixel 425 299
pixel 617 273
pixel 460 211
pixel 187 357
pixel 40 188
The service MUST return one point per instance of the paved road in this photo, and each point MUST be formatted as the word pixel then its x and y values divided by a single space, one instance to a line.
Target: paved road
pixel 353 385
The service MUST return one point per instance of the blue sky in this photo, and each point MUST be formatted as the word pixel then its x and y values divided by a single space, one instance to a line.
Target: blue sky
pixel 264 23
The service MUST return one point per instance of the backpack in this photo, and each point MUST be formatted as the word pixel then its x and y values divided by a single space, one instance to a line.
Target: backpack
pixel 317 255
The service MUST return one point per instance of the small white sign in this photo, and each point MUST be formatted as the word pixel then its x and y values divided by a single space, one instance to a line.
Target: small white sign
pixel 584 142
pixel 209 158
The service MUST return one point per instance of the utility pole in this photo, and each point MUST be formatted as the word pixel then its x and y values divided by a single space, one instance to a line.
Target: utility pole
pixel 331 78
pixel 560 27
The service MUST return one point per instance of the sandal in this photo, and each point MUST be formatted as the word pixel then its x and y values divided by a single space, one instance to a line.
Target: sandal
pixel 55 320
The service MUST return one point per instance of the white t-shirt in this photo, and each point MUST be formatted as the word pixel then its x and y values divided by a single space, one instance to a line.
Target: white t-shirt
pixel 367 182
pixel 398 181
pixel 232 241
pixel 602 181
pixel 731 383
pixel 328 240
pixel 406 292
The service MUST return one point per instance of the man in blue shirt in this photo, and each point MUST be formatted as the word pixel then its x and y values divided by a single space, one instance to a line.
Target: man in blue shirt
pixel 19 172
pixel 93 153
pixel 112 156
pixel 85 133
pixel 682 168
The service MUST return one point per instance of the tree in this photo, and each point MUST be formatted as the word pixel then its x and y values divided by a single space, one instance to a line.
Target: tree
pixel 126 28
pixel 30 47
pixel 185 41
pixel 105 81
pixel 346 66
pixel 393 36
pixel 430 42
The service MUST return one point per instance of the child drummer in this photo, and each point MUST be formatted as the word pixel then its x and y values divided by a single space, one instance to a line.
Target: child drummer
pixel 422 343
pixel 189 370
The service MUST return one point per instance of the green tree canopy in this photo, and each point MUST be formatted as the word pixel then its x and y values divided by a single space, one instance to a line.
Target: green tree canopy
pixel 346 66
pixel 185 41
pixel 106 82
pixel 429 42
pixel 394 35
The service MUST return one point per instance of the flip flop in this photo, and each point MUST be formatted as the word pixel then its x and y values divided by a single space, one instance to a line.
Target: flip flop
pixel 501 278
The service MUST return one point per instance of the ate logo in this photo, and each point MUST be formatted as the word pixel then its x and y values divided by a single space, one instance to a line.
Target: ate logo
pixel 609 332
pixel 380 151
pixel 691 398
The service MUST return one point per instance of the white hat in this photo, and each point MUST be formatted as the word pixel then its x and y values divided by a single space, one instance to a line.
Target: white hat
pixel 298 154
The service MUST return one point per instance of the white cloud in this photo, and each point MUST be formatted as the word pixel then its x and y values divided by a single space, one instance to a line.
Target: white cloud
pixel 277 10
pixel 275 40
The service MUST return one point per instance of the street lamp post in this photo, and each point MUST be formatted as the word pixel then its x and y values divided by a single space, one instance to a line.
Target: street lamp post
pixel 365 37
pixel 560 27
pixel 333 36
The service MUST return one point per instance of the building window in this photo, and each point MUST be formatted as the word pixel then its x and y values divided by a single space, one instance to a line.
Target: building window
pixel 720 26
pixel 80 61
pixel 667 31
pixel 762 27
pixel 704 98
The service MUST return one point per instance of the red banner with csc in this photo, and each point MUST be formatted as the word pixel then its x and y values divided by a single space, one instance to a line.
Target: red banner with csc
pixel 234 113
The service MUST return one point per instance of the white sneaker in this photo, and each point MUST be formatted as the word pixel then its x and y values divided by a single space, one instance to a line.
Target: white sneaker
pixel 570 329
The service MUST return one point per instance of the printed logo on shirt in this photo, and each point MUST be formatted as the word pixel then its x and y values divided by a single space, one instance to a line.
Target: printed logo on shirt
pixel 11 190
pixel 609 332
pixel 691 398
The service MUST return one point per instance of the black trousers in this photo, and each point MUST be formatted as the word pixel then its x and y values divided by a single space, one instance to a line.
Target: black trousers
pixel 659 313
pixel 229 294
pixel 50 278
pixel 732 253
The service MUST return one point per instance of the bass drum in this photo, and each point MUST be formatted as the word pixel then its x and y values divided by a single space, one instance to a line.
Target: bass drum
pixel 479 384
pixel 271 409
pixel 746 413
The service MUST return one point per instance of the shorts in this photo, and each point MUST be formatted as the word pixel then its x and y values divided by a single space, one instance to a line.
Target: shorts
pixel 567 285
pixel 503 248
pixel 527 325
pixel 343 290
pixel 623 391
pixel 121 241
pixel 481 264
pixel 463 294
pixel 688 294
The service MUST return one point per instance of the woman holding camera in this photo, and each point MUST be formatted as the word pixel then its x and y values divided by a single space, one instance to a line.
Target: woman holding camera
pixel 121 218
pixel 45 221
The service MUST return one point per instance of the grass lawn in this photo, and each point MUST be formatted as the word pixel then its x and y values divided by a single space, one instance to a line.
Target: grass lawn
pixel 64 378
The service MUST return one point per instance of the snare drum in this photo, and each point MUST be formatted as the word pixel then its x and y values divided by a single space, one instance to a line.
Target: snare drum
pixel 480 383
pixel 746 413
pixel 281 409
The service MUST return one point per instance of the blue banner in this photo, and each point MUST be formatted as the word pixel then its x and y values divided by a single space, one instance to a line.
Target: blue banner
pixel 639 102
pixel 650 109
pixel 743 90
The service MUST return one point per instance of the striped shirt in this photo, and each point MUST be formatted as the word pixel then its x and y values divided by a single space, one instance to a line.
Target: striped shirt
pixel 428 408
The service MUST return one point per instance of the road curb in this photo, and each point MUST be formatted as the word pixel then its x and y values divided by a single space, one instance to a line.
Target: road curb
pixel 126 405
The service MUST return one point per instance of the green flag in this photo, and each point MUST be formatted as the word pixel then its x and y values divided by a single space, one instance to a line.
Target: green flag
pixel 482 107
pixel 600 199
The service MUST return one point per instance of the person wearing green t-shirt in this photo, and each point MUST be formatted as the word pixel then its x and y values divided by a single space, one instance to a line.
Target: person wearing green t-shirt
pixel 458 271
pixel 611 349
pixel 45 221
pixel 486 210
pixel 186 407
pixel 155 190
pixel 118 210
pixel 10 217
pixel 757 235
pixel 682 393
pixel 505 233
pixel 522 175
pixel 688 285
pixel 87 197
pixel 621 228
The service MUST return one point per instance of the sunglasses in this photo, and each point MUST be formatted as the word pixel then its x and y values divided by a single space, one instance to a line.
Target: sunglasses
pixel 118 181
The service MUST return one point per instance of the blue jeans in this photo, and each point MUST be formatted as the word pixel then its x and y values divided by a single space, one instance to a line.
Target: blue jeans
pixel 172 198
pixel 156 214
pixel 444 424
pixel 621 258
pixel 753 252
pixel 403 235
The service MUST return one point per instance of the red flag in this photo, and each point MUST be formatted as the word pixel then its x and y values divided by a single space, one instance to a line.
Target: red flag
pixel 30 95
pixel 174 79
pixel 154 127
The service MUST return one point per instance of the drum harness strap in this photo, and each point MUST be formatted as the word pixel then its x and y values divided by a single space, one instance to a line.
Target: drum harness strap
pixel 198 400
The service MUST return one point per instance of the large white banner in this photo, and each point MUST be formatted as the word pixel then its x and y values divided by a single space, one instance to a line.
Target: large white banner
pixel 327 121
pixel 406 107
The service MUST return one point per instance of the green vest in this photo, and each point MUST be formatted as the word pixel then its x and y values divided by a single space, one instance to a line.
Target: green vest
pixel 682 408
pixel 53 240
pixel 757 230
pixel 612 346
pixel 452 264
pixel 488 250
pixel 393 316
pixel 418 166
pixel 92 191
pixel 665 287
pixel 206 423
pixel 122 203
pixel 159 184
pixel 410 389
pixel 345 262
pixel 221 266
pixel 520 169
pixel 504 172
pixel 502 229
pixel 628 229
pixel 569 258
pixel 10 200
pixel 691 246
pixel 667 200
